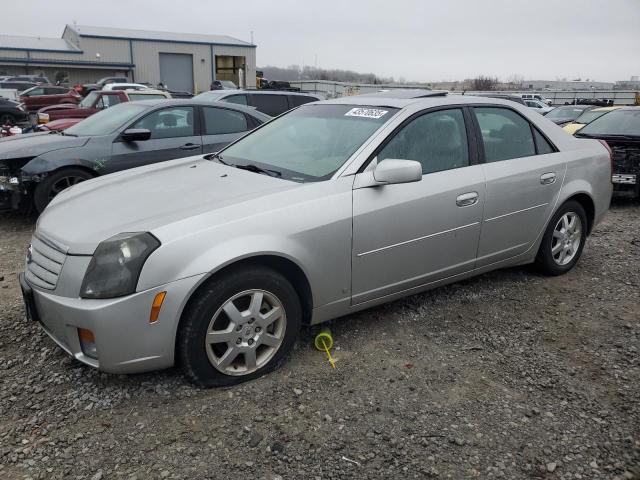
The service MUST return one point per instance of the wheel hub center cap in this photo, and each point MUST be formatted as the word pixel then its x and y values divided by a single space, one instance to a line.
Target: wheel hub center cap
pixel 247 332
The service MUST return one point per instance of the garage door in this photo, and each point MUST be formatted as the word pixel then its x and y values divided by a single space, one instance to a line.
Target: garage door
pixel 176 71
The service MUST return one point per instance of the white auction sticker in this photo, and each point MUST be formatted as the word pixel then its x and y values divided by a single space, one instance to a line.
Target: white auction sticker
pixel 366 112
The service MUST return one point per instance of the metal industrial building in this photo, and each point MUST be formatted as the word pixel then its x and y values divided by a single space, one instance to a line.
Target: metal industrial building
pixel 181 61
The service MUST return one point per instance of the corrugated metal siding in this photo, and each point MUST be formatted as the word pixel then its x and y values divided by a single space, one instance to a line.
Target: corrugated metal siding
pixel 109 50
pixel 13 53
pixel 146 55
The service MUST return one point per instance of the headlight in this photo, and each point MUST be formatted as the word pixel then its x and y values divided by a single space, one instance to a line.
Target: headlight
pixel 116 265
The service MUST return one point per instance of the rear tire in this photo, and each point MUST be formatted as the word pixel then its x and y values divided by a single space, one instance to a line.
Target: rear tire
pixel 563 240
pixel 238 327
pixel 55 182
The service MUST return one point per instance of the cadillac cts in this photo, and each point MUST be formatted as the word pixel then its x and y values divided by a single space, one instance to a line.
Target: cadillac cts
pixel 214 263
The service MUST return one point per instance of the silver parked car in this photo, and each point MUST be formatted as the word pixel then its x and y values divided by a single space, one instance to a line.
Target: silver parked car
pixel 214 263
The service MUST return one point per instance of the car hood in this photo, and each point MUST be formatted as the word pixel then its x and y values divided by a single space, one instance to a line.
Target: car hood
pixel 34 144
pixel 147 198
pixel 59 106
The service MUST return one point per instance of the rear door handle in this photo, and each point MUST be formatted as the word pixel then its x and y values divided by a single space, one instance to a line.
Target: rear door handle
pixel 189 146
pixel 548 178
pixel 467 199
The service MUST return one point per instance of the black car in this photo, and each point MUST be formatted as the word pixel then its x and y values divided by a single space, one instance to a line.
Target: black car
pixel 620 129
pixel 11 113
pixel 567 113
pixel 34 168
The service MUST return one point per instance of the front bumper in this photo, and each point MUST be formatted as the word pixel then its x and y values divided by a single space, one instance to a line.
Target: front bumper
pixel 125 340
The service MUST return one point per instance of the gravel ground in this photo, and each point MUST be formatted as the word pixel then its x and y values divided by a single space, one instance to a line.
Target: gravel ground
pixel 509 375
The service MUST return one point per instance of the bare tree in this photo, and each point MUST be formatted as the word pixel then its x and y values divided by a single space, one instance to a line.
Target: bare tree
pixel 294 72
pixel 484 83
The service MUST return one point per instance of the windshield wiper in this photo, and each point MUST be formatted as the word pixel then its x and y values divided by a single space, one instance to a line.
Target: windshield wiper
pixel 254 168
pixel 62 132
pixel 249 167
pixel 608 135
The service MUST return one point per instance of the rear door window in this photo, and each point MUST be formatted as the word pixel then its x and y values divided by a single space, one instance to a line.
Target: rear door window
pixel 36 91
pixel 505 134
pixel 218 121
pixel 271 104
pixel 238 99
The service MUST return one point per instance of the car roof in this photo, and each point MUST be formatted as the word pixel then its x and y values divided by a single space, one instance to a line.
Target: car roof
pixel 259 92
pixel 606 109
pixel 190 102
pixel 425 102
pixel 406 93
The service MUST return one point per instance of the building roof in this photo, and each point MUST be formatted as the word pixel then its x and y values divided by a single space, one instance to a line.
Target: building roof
pixel 19 42
pixel 130 34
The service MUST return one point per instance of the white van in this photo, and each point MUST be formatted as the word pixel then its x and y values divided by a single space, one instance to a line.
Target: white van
pixel 535 96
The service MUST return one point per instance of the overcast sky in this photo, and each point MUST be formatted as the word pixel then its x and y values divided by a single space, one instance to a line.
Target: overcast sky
pixel 421 40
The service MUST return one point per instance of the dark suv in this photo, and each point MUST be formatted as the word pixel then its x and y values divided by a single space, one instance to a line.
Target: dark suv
pixel 271 103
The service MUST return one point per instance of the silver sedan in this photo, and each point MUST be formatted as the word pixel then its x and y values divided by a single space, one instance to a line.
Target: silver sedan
pixel 214 263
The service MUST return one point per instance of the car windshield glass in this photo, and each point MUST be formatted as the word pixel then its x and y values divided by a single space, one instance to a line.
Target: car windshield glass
pixel 565 112
pixel 618 122
pixel 107 121
pixel 89 99
pixel 310 143
pixel 590 116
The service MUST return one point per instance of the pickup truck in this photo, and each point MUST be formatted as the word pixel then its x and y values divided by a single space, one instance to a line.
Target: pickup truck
pixel 41 96
pixel 60 117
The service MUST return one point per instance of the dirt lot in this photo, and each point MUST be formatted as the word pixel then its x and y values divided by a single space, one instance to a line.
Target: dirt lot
pixel 509 375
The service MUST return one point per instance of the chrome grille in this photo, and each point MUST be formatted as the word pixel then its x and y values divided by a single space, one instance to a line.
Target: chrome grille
pixel 44 263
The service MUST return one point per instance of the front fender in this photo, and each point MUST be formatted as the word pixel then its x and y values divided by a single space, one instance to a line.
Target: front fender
pixel 168 265
pixel 87 157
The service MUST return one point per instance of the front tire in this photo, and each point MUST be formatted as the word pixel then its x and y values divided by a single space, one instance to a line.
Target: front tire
pixel 563 240
pixel 54 183
pixel 238 327
pixel 7 118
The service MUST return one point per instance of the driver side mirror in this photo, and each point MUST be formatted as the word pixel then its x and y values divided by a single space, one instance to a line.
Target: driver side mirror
pixel 390 171
pixel 136 135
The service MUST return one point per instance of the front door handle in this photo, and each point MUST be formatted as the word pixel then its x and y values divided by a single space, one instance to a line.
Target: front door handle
pixel 548 178
pixel 189 146
pixel 467 199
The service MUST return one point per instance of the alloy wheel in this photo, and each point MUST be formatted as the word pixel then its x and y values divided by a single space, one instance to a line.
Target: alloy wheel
pixel 246 332
pixel 566 238
pixel 64 183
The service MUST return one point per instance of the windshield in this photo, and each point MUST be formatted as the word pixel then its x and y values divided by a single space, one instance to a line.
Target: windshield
pixel 590 116
pixel 310 143
pixel 107 121
pixel 570 113
pixel 618 122
pixel 89 99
